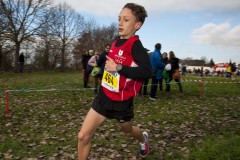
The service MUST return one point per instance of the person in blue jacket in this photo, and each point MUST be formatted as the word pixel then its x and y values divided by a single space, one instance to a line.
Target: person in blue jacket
pixel 157 70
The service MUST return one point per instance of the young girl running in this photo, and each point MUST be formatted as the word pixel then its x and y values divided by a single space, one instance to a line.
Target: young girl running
pixel 126 66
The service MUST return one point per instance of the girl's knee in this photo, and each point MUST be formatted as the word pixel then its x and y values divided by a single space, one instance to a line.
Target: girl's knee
pixel 127 133
pixel 83 137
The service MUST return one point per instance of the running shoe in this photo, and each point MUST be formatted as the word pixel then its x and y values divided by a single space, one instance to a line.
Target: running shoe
pixel 144 147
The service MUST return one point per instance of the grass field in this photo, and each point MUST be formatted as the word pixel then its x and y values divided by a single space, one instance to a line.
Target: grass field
pixel 47 109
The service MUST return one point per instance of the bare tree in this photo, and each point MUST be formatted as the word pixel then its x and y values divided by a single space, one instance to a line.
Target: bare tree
pixel 23 19
pixel 66 27
pixel 3 24
pixel 93 38
pixel 6 55
pixel 2 29
pixel 83 43
pixel 104 35
pixel 46 55
pixel 90 25
pixel 6 48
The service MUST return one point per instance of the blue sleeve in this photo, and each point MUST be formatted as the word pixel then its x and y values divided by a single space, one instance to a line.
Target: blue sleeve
pixel 159 61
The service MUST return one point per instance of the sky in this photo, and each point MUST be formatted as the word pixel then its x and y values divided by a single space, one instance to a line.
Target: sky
pixel 190 28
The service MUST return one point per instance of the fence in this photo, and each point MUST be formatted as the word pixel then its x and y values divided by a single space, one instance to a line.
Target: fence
pixel 202 89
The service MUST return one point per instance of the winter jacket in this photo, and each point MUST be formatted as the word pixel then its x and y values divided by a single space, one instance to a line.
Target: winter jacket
pixel 101 61
pixel 157 63
pixel 174 63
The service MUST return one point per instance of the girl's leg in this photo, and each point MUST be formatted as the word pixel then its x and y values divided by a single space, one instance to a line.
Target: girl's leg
pixel 145 86
pixel 132 131
pixel 168 85
pixel 160 84
pixel 135 132
pixel 154 88
pixel 85 79
pixel 179 85
pixel 91 122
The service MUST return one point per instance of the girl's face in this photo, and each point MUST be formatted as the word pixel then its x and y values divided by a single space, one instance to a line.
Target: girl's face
pixel 97 53
pixel 164 55
pixel 127 24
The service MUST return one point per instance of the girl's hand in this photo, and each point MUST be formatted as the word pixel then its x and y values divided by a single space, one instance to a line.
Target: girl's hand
pixel 110 65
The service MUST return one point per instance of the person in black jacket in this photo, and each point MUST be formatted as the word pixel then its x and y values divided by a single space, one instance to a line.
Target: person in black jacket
pixel 143 90
pixel 174 61
pixel 166 74
pixel 102 59
pixel 85 58
pixel 21 62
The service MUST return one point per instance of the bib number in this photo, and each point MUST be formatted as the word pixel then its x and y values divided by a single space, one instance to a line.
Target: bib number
pixel 110 81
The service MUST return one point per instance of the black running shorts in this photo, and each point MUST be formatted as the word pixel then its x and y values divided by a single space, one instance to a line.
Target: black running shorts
pixel 120 110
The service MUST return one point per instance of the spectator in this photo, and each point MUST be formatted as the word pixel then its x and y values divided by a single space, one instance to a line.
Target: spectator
pixel 144 87
pixel 233 70
pixel 85 58
pixel 166 73
pixel 174 61
pixel 102 59
pixel 93 63
pixel 184 70
pixel 229 71
pixel 157 70
pixel 21 61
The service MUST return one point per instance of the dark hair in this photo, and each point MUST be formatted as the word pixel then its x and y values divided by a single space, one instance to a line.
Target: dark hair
pixel 106 45
pixel 158 46
pixel 164 53
pixel 171 55
pixel 137 10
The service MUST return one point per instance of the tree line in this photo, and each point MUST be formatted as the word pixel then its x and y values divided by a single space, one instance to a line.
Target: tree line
pixel 52 37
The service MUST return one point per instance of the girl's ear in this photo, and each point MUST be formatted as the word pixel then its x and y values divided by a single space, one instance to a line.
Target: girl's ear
pixel 138 25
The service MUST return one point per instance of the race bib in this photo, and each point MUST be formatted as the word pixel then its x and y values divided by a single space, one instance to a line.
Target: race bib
pixel 110 80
